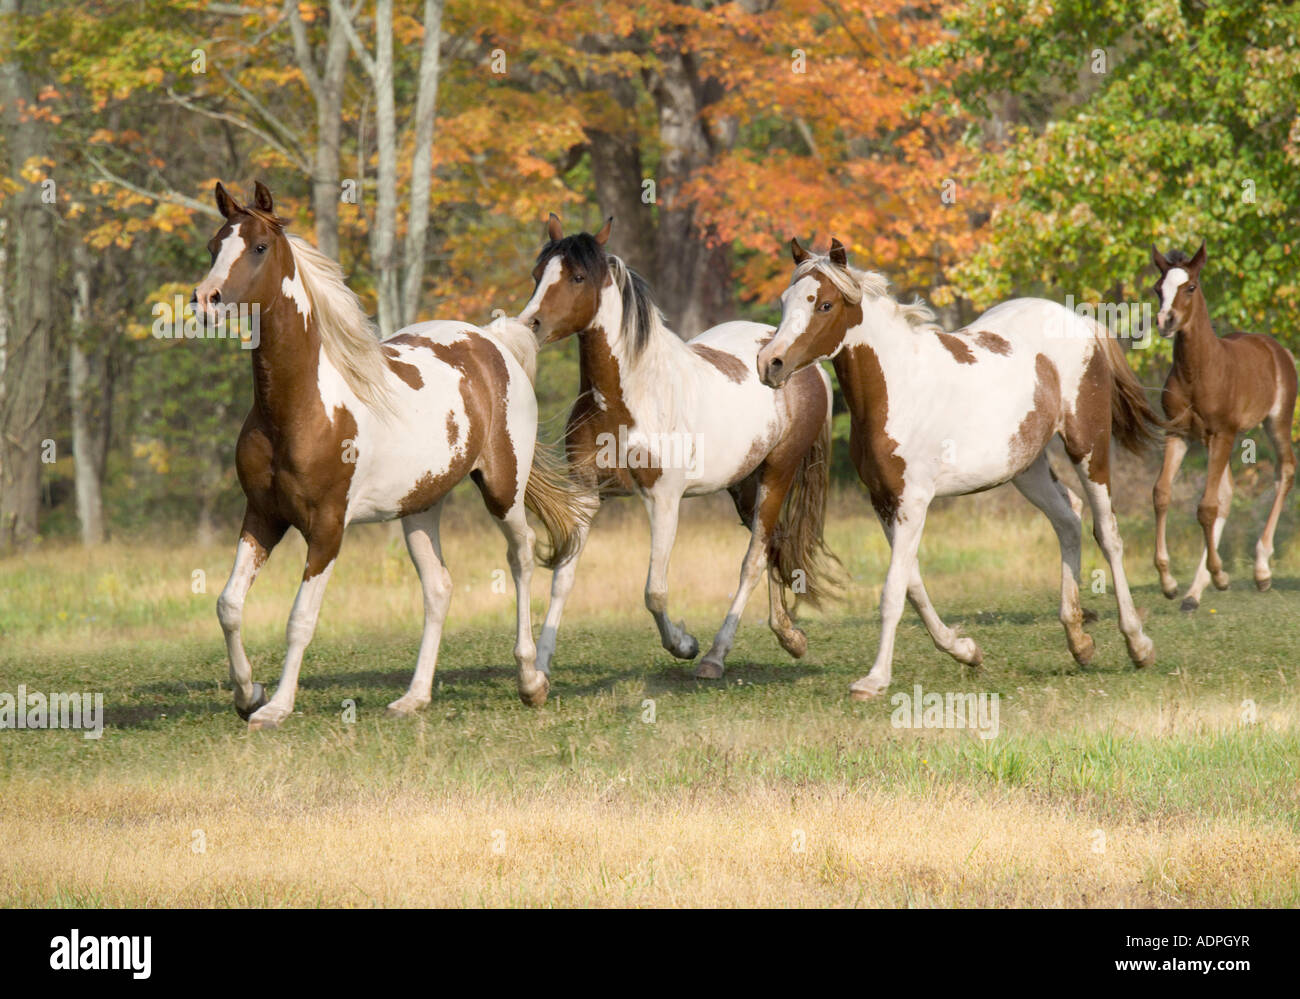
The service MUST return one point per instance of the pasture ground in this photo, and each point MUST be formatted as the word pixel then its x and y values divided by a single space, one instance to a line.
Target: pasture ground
pixel 1105 786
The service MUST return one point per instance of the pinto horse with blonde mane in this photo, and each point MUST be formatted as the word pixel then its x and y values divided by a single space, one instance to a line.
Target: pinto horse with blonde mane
pixel 662 418
pixel 346 429
pixel 1217 388
pixel 946 414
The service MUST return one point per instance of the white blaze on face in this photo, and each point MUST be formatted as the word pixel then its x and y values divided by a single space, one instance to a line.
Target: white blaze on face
pixel 550 276
pixel 797 304
pixel 232 247
pixel 1175 278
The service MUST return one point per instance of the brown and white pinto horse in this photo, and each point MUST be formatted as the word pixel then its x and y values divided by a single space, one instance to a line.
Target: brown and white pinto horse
pixel 1218 387
pixel 945 414
pixel 346 429
pixel 662 418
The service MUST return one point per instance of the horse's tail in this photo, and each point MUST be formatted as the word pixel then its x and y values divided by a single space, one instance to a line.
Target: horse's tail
pixel 559 503
pixel 519 340
pixel 797 551
pixel 1133 422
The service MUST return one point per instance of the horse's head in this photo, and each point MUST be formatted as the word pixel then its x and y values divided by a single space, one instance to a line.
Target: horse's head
pixel 1177 287
pixel 568 276
pixel 821 305
pixel 250 253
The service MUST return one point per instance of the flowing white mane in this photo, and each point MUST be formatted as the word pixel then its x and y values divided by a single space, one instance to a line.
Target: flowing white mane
pixel 346 332
pixel 855 285
pixel 656 363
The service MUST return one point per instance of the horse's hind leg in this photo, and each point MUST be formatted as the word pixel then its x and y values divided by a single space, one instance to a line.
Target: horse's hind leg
pixel 1094 476
pixel 1175 451
pixel 663 505
pixel 533 685
pixel 256 539
pixel 562 580
pixel 1278 427
pixel 425 548
pixel 1213 515
pixel 1040 486
pixel 322 550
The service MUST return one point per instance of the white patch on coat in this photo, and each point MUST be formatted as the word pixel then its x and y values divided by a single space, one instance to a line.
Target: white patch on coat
pixel 293 287
pixel 550 275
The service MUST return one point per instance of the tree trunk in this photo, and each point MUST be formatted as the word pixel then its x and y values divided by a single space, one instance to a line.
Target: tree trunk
pixel 326 191
pixel 31 312
pixel 86 376
pixel 426 110
pixel 616 171
pixel 693 276
pixel 383 241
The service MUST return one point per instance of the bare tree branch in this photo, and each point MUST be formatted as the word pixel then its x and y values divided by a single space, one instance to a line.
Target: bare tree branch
pixel 169 196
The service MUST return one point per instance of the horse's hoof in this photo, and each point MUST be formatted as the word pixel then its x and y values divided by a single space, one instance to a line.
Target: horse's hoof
pixel 687 649
pixel 1083 655
pixel 402 708
pixel 968 653
pixel 534 694
pixel 1171 590
pixel 268 720
pixel 1142 660
pixel 794 642
pixel 1089 615
pixel 1220 580
pixel 259 699
pixel 865 689
pixel 1190 604
pixel 1263 583
pixel 709 669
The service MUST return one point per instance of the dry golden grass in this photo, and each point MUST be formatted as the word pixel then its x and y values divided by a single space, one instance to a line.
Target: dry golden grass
pixel 757 846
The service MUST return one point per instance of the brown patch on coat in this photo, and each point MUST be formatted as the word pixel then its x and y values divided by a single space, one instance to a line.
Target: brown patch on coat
pixel 453 431
pixel 993 343
pixel 957 347
pixel 1039 423
pixel 729 364
pixel 1088 420
pixel 872 449
pixel 408 373
pixel 588 422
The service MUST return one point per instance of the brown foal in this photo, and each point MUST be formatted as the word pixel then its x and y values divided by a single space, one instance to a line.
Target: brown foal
pixel 1218 388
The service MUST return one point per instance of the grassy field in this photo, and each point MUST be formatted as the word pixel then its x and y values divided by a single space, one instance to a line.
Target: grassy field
pixel 636 784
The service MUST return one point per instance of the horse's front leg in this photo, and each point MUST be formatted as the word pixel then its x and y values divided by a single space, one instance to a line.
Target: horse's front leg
pixel 904 536
pixel 1213 515
pixel 663 503
pixel 322 550
pixel 257 537
pixel 1175 451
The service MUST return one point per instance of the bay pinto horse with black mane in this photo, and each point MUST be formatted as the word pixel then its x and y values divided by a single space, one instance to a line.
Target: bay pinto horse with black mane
pixel 662 418
pixel 946 414
pixel 1217 388
pixel 346 429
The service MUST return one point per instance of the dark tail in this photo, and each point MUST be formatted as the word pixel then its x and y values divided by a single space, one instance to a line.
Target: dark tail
pixel 798 552
pixel 558 502
pixel 1133 422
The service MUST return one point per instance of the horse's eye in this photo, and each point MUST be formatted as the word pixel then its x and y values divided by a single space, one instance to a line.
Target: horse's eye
pixel 825 307
pixel 1191 288
pixel 579 278
pixel 261 248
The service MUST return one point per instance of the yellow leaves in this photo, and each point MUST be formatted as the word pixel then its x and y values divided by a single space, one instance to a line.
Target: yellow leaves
pixel 155 453
pixel 34 169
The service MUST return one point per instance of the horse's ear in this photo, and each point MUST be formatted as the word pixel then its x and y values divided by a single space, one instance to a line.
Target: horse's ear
pixel 839 255
pixel 1198 259
pixel 797 251
pixel 262 198
pixel 603 235
pixel 553 230
pixel 226 205
pixel 1158 260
